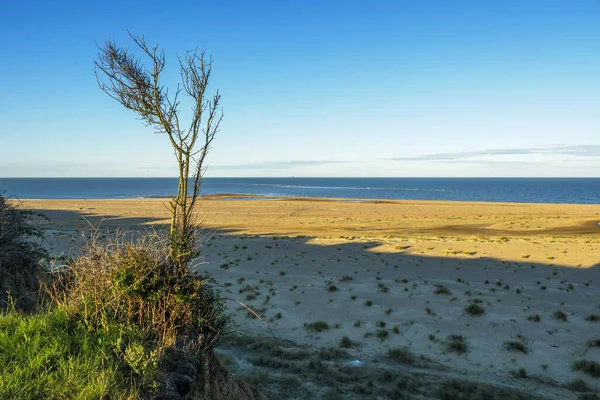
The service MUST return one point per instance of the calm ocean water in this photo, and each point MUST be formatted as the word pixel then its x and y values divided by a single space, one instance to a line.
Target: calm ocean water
pixel 526 190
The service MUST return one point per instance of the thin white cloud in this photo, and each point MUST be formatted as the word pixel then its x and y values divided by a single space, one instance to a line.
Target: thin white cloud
pixel 278 165
pixel 577 151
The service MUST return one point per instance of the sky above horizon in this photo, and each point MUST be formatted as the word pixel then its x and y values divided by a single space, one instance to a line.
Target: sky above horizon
pixel 427 88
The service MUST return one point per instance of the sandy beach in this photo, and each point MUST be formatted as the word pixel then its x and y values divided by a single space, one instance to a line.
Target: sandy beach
pixel 499 293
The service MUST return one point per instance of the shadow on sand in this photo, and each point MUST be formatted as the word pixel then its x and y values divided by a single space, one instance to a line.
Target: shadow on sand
pixel 307 364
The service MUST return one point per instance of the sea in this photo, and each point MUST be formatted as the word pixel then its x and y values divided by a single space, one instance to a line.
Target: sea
pixel 521 190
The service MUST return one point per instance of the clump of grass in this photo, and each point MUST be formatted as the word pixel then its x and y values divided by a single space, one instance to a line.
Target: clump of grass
pixel 457 344
pixel 593 318
pixel 127 279
pixel 559 315
pixel 402 355
pixel 368 303
pixel 383 288
pixel 578 385
pixel 522 373
pixel 474 310
pixel 534 318
pixel 441 289
pixel 382 334
pixel 516 346
pixel 332 288
pixel 591 368
pixel 346 343
pixel 594 343
pixel 317 326
pixel 346 278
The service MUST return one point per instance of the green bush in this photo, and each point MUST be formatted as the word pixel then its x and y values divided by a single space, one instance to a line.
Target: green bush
pixel 318 326
pixel 516 346
pixel 591 368
pixel 475 310
pixel 21 248
pixel 126 279
pixel 457 344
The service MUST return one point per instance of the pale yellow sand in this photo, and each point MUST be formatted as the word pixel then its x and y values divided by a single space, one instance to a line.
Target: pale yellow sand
pixel 514 260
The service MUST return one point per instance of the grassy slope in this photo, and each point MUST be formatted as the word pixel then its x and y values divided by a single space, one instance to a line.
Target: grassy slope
pixel 47 355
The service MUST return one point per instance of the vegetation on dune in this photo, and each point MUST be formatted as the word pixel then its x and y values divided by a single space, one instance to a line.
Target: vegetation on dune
pixel 128 317
pixel 20 253
pixel 133 280
pixel 52 355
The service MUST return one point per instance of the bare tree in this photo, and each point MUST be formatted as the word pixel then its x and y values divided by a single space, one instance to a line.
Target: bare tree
pixel 124 77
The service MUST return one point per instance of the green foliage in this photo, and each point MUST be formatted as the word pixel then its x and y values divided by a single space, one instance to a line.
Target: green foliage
pixel 49 355
pixel 318 326
pixel 402 354
pixel 559 315
pixel 133 280
pixel 21 248
pixel 475 310
pixel 534 318
pixel 457 344
pixel 441 289
pixel 591 368
pixel 516 346
pixel 593 318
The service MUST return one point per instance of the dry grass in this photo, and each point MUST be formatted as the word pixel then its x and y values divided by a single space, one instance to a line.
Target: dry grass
pixel 129 279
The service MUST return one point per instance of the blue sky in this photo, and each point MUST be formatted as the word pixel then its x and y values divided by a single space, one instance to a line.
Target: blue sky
pixel 315 88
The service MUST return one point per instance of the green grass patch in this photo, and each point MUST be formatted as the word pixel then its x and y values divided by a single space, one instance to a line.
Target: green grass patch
pixel 317 326
pixel 591 368
pixel 402 355
pixel 516 346
pixel 559 315
pixel 457 344
pixel 49 355
pixel 475 310
pixel 593 318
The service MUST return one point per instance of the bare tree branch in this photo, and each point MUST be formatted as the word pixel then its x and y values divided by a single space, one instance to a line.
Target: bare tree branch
pixel 123 76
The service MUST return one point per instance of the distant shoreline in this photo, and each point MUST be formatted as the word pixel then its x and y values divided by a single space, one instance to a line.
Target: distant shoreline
pixel 247 197
pixel 495 190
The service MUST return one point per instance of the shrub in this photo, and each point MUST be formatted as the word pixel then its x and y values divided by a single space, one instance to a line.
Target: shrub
pixel 401 354
pixel 318 326
pixel 441 289
pixel 475 310
pixel 559 315
pixel 457 344
pixel 594 343
pixel 593 318
pixel 534 318
pixel 591 368
pixel 346 343
pixel 516 346
pixel 21 248
pixel 383 334
pixel 132 280
pixel 522 373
